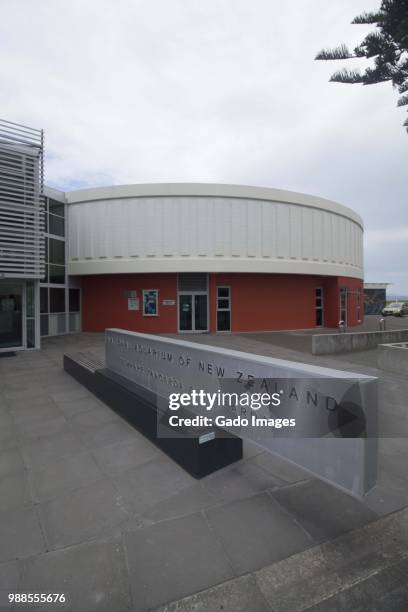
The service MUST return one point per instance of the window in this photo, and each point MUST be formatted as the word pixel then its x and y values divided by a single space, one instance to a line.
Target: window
pixel 358 304
pixel 44 325
pixel 56 208
pixel 74 300
pixel 57 251
pixel 54 294
pixel 319 306
pixel 43 300
pixel 223 309
pixel 343 305
pixel 56 225
pixel 56 213
pixel 30 314
pixel 57 274
pixel 57 300
pixel 150 302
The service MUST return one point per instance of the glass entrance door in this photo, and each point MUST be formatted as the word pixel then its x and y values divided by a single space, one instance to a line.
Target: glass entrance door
pixel 11 316
pixel 186 312
pixel 193 312
pixel 200 312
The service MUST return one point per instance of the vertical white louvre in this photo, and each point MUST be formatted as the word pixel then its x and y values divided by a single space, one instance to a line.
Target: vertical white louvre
pixel 22 253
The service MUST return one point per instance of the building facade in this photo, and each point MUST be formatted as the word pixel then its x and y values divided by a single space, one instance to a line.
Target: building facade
pixel 177 258
pixel 167 258
pixel 22 247
pixel 59 293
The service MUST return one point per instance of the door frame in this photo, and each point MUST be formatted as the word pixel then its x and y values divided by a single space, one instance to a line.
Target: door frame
pixel 193 330
pixel 320 307
pixel 22 347
pixel 217 310
pixel 344 291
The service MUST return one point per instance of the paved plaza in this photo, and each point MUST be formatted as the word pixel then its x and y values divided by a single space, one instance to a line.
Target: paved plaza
pixel 90 508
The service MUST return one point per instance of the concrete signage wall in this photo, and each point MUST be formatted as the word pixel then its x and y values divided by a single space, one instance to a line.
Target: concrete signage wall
pixel 168 366
pixel 328 344
pixel 393 357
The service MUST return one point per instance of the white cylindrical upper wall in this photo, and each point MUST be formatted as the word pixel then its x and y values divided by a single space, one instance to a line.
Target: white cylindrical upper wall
pixel 210 228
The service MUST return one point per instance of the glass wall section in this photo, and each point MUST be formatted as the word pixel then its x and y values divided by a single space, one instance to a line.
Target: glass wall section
pixel 59 304
pixel 11 315
pixel 30 314
pixel 74 309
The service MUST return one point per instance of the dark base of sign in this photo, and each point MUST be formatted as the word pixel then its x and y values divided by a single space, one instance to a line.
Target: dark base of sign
pixel 137 406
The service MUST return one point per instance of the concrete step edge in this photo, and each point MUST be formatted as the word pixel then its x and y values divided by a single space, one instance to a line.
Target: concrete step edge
pixel 307 578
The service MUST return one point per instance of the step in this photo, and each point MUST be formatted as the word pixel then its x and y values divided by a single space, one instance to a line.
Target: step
pixel 364 569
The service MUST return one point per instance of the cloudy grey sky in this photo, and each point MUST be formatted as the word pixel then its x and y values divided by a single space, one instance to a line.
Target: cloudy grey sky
pixel 133 91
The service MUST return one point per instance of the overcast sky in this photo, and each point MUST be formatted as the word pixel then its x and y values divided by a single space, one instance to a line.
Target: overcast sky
pixel 135 91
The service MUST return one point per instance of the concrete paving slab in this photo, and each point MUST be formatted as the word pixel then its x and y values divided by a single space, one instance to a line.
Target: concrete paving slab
pixel 280 469
pixel 9 576
pixel 93 577
pixel 23 390
pixel 83 514
pixel 238 595
pixel 250 449
pixel 390 494
pixel 9 582
pixel 151 483
pixel 325 512
pixel 6 419
pixel 256 531
pixel 8 437
pixel 119 457
pixel 240 480
pixel 397 601
pixel 39 428
pixel 11 462
pixel 108 433
pixel 39 453
pixel 64 475
pixel 25 412
pixel 14 492
pixel 172 559
pixel 20 534
pixel 188 501
pixel 100 415
pixel 71 405
pixel 72 395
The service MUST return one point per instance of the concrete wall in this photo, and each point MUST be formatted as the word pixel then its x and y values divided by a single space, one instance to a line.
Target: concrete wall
pixel 393 357
pixel 327 344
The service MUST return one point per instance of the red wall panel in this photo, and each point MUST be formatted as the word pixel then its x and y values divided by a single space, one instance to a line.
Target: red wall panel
pixel 104 303
pixel 259 302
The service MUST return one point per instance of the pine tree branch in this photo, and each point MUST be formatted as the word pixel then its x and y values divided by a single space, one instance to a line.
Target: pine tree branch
pixel 338 53
pixel 403 101
pixel 403 87
pixel 368 18
pixel 347 76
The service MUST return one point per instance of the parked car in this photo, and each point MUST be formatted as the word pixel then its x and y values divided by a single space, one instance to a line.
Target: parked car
pixel 398 309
